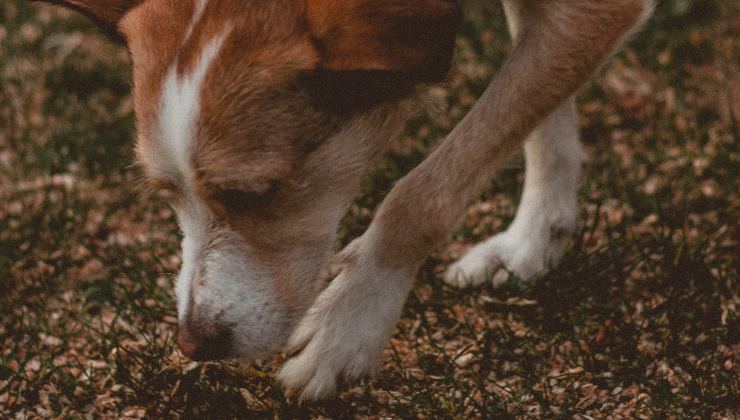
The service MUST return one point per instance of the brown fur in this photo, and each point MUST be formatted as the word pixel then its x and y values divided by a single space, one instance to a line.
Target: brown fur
pixel 388 35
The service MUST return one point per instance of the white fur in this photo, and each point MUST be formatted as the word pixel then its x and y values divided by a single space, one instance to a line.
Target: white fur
pixel 238 295
pixel 345 331
pixel 193 219
pixel 538 236
pixel 179 110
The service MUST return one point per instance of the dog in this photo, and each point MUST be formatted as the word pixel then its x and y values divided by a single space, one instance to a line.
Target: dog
pixel 260 116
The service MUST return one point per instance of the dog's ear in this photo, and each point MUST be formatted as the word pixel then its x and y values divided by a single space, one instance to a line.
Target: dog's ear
pixel 414 38
pixel 105 13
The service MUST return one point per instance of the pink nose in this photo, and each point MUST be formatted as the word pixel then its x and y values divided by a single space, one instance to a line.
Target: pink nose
pixel 203 348
pixel 187 345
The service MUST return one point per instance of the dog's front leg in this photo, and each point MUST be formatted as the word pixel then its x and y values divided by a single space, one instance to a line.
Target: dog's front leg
pixel 538 237
pixel 344 332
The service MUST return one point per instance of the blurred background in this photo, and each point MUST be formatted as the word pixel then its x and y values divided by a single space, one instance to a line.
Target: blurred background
pixel 638 321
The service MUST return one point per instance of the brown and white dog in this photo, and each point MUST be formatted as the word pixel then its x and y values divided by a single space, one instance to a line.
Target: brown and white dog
pixel 260 117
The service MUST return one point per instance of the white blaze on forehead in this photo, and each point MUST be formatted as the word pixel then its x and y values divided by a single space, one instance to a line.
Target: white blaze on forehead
pixel 179 111
pixel 180 107
pixel 200 6
pixel 193 219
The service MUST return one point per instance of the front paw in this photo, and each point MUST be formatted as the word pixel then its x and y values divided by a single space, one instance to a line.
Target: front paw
pixel 342 336
pixel 524 255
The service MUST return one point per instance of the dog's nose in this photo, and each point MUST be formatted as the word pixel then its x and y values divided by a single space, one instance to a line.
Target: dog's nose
pixel 201 348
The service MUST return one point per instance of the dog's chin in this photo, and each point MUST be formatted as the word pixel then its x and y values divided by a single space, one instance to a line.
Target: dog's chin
pixel 248 354
pixel 244 350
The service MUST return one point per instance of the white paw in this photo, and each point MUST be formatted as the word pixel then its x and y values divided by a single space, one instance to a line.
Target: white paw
pixel 342 336
pixel 526 256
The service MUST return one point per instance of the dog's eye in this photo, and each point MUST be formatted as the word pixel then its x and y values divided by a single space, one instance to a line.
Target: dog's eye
pixel 239 201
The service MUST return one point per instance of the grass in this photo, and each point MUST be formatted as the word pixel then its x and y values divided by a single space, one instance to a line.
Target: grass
pixel 639 320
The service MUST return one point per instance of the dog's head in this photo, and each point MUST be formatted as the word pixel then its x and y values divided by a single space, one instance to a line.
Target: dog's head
pixel 259 117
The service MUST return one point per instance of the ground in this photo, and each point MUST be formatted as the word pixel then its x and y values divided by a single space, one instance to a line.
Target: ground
pixel 639 320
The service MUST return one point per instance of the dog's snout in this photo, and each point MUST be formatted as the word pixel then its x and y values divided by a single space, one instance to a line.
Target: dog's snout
pixel 204 347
